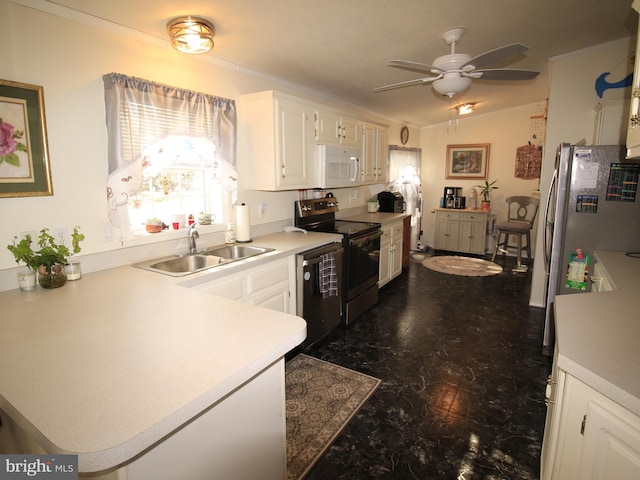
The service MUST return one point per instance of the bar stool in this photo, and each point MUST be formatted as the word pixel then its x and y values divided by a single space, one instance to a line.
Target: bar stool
pixel 521 213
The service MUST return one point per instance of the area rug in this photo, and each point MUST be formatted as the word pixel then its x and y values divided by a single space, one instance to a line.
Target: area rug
pixel 321 400
pixel 465 266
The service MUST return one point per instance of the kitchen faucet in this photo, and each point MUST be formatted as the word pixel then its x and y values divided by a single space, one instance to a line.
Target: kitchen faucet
pixel 192 235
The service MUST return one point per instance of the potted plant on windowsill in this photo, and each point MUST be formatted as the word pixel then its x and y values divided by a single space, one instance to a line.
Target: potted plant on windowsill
pixel 485 191
pixel 49 260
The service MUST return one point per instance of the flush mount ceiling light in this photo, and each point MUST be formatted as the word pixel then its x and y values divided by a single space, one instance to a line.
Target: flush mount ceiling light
pixel 466 108
pixel 191 34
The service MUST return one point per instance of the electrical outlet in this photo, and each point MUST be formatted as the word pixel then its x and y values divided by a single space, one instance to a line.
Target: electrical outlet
pixel 107 231
pixel 61 236
pixel 262 209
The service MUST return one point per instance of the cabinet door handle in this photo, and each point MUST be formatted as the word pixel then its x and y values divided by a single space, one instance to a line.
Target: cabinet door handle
pixel 547 396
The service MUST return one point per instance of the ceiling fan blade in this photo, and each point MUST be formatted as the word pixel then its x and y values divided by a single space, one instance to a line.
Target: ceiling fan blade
pixel 408 83
pixel 506 74
pixel 414 66
pixel 497 56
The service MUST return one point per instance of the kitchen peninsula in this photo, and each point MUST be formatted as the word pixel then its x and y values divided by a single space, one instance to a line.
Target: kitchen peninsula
pixel 140 375
pixel 593 394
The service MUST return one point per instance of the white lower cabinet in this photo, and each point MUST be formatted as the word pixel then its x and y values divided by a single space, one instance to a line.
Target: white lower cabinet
pixel 588 436
pixel 271 286
pixel 447 236
pixel 461 230
pixel 390 252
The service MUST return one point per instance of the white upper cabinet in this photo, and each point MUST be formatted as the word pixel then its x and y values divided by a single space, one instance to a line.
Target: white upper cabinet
pixel 278 136
pixel 375 146
pixel 275 147
pixel 369 162
pixel 335 128
pixel 382 155
pixel 633 129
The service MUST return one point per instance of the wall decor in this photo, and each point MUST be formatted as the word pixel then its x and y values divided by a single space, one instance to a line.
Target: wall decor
pixel 404 135
pixel 528 161
pixel 24 157
pixel 467 161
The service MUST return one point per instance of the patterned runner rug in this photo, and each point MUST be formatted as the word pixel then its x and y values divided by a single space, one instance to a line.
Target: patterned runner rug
pixel 465 266
pixel 321 400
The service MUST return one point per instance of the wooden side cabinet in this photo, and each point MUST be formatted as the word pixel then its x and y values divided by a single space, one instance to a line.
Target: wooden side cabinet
pixel 406 241
pixel 461 230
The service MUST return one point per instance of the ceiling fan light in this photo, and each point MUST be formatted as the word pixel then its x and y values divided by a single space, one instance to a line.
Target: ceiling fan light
pixel 191 35
pixel 465 108
pixel 450 86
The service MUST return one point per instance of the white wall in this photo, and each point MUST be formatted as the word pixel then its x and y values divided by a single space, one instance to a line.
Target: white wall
pixel 572 102
pixel 68 58
pixel 505 131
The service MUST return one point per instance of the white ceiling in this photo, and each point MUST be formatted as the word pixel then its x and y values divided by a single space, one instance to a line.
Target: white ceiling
pixel 339 48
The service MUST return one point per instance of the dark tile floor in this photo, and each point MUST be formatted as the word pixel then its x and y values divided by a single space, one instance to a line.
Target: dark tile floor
pixel 463 381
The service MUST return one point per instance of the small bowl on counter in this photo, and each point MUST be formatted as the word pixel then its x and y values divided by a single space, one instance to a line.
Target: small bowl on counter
pixel 153 225
pixel 206 218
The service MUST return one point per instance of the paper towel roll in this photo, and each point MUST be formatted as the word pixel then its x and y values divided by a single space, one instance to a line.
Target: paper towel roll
pixel 243 233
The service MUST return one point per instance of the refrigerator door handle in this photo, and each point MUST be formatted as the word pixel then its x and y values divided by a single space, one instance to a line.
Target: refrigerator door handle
pixel 549 224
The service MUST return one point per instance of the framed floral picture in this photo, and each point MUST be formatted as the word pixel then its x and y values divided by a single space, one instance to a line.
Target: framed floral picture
pixel 24 156
pixel 468 161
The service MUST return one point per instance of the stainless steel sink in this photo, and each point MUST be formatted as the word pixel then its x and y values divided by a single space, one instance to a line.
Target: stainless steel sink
pixel 236 252
pixel 187 263
pixel 180 265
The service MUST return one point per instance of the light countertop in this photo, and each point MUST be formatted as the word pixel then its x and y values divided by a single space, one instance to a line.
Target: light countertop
pixel 377 217
pixel 462 210
pixel 106 366
pixel 598 334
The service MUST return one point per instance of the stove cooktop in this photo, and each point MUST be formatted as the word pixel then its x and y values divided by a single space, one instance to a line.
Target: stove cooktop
pixel 343 227
pixel 318 215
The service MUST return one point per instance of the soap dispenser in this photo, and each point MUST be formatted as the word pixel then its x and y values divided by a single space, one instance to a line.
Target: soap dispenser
pixel 229 234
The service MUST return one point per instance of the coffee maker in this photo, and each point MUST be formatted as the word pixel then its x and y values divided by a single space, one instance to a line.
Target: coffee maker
pixel 453 197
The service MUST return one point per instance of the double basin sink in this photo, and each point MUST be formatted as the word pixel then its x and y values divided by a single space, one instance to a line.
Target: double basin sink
pixel 180 265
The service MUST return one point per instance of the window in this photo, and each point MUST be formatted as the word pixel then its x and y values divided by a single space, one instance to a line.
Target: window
pixel 171 154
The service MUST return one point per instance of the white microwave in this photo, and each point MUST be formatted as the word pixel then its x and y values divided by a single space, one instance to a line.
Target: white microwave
pixel 338 166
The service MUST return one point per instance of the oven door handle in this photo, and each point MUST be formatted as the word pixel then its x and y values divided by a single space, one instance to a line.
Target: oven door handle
pixel 362 240
pixel 314 260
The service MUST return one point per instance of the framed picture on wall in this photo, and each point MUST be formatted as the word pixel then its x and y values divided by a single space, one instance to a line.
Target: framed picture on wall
pixel 468 161
pixel 24 156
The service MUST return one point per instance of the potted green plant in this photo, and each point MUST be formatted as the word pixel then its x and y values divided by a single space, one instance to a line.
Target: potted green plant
pixel 485 191
pixel 49 260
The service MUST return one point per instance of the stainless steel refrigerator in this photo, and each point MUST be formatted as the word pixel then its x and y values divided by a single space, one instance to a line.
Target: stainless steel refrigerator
pixel 592 205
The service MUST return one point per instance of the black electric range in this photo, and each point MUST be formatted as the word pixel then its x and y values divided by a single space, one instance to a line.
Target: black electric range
pixel 361 242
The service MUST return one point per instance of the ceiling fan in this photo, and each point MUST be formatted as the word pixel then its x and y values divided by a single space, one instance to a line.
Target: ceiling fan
pixel 452 74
